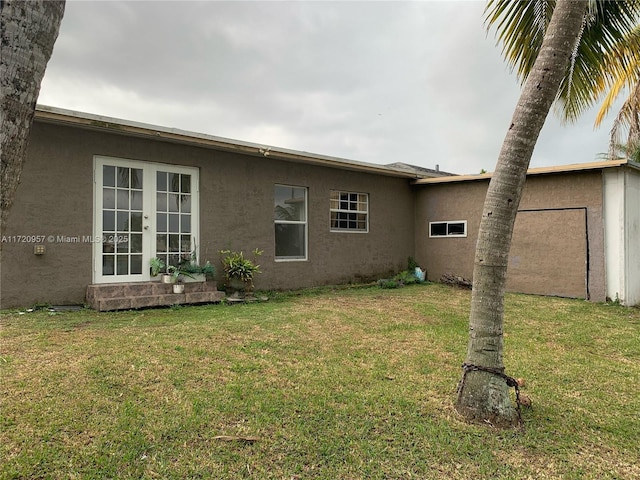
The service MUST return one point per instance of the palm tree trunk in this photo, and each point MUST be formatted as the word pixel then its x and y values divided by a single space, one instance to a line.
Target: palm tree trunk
pixel 29 31
pixel 482 395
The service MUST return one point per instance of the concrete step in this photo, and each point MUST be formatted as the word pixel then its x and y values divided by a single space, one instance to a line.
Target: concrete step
pixel 124 296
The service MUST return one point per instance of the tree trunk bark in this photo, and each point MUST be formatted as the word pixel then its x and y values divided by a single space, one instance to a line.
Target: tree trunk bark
pixel 484 396
pixel 29 31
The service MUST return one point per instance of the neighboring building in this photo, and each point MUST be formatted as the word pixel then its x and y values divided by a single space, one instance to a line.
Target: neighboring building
pixel 99 197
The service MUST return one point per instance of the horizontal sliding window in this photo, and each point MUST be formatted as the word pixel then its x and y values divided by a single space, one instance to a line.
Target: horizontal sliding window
pixel 456 228
pixel 349 211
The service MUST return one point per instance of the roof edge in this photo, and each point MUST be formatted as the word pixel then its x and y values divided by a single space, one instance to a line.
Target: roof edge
pixel 574 167
pixel 62 116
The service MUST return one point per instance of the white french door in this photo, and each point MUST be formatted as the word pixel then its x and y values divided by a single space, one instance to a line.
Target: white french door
pixel 142 210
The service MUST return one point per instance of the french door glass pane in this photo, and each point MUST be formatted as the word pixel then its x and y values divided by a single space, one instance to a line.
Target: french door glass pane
pixel 122 265
pixel 109 221
pixel 109 198
pixel 123 243
pixel 161 202
pixel 136 178
pixel 173 206
pixel 173 223
pixel 122 220
pixel 161 222
pixel 136 243
pixel 174 182
pixel 136 264
pixel 136 222
pixel 136 200
pixel 109 176
pixel 174 202
pixel 161 181
pixel 161 243
pixel 123 199
pixel 123 177
pixel 107 265
pixel 186 203
pixel 107 244
pixel 122 204
pixel 174 243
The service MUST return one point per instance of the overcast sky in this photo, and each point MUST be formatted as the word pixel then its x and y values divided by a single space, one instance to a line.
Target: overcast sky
pixel 380 82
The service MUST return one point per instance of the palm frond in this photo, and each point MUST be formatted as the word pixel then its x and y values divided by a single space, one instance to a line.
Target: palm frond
pixel 624 72
pixel 627 118
pixel 518 29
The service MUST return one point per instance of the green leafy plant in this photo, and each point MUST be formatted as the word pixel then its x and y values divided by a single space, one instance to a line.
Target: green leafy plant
pixel 411 264
pixel 207 269
pixel 388 283
pixel 238 267
pixel 406 277
pixel 178 272
pixel 190 265
pixel 157 266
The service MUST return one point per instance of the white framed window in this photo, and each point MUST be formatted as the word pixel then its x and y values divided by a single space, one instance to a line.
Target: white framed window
pixel 349 211
pixel 290 218
pixel 456 228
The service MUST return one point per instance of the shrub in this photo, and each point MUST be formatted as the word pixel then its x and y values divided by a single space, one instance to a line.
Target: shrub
pixel 403 278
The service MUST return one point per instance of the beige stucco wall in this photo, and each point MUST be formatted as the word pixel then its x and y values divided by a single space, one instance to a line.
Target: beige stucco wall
pixel 548 260
pixel 55 198
pixel 537 234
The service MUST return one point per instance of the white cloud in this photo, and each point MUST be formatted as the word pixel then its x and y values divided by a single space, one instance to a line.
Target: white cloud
pixel 417 82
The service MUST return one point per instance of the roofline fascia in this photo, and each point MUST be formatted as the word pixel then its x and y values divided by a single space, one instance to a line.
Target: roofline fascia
pixel 576 167
pixel 61 116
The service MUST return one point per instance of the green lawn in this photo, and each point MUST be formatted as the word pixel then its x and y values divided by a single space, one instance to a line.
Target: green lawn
pixel 335 384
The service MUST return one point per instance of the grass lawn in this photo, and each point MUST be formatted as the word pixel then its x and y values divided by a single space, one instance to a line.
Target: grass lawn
pixel 335 384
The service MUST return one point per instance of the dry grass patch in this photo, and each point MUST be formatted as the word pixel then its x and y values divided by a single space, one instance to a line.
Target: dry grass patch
pixel 344 383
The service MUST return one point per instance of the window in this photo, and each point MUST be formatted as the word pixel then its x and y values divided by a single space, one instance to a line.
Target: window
pixel 349 211
pixel 457 228
pixel 290 217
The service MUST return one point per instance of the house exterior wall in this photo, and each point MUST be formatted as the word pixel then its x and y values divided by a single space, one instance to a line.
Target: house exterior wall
pixel 614 206
pixel 621 197
pixel 547 260
pixel 632 237
pixel 55 200
pixel 550 204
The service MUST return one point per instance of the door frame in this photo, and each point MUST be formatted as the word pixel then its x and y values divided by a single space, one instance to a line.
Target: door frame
pixel 149 210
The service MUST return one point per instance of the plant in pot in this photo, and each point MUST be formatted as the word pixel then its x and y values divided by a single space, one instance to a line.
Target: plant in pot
pixel 198 273
pixel 159 267
pixel 239 271
pixel 178 275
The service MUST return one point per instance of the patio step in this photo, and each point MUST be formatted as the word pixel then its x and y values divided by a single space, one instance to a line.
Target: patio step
pixel 125 296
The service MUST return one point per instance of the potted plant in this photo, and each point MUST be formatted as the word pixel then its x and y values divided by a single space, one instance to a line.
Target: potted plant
pixel 239 271
pixel 178 274
pixel 158 267
pixel 198 273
